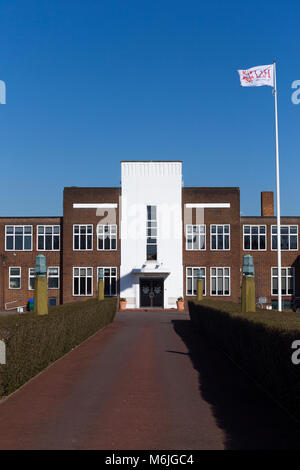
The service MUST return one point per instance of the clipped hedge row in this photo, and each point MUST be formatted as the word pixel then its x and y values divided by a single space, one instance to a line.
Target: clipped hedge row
pixel 33 342
pixel 259 342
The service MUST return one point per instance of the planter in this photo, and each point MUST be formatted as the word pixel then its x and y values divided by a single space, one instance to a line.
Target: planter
pixel 180 305
pixel 123 304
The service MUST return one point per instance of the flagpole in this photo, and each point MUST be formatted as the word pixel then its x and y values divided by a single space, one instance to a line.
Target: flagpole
pixel 277 196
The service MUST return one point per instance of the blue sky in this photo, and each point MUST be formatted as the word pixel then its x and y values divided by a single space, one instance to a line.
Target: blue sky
pixel 95 82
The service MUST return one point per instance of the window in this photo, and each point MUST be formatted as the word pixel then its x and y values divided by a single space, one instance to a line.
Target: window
pixel 18 237
pixel 288 236
pixel 255 237
pixel 151 233
pixel 53 277
pixel 219 237
pixel 48 237
pixel 195 237
pixel 15 278
pixel 219 281
pixel 83 237
pixel 110 280
pixel 191 280
pixel 107 237
pixel 82 281
pixel 31 278
pixel 287 281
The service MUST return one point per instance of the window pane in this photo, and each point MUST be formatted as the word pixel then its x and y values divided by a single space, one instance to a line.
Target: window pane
pixel 247 242
pixel 76 283
pixel 18 242
pixel 9 242
pixel 56 242
pixel 48 242
pixel 293 242
pixel 262 241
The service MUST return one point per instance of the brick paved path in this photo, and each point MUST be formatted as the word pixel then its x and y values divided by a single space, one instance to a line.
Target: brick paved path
pixel 145 382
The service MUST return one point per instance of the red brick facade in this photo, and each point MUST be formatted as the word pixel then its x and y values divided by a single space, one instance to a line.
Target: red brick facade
pixel 68 258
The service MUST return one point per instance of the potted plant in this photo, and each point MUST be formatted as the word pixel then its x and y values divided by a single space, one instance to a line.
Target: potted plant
pixel 122 303
pixel 180 303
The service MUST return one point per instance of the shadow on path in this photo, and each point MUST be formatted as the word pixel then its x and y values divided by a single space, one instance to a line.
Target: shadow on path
pixel 248 417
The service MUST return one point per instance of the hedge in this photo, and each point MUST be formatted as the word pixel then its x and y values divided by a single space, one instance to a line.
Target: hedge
pixel 34 342
pixel 259 342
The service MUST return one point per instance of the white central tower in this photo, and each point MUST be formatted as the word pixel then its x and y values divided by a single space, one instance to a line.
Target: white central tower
pixel 151 272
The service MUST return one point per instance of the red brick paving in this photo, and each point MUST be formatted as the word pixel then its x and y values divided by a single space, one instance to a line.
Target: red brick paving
pixel 147 381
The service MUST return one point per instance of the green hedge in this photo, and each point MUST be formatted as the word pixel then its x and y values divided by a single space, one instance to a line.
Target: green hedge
pixel 33 342
pixel 259 342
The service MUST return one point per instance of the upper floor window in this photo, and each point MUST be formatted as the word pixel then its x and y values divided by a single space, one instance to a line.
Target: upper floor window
pixel 195 237
pixel 48 237
pixel 82 237
pixel 288 236
pixel 151 233
pixel 287 281
pixel 191 280
pixel 255 237
pixel 18 237
pixel 220 281
pixel 107 237
pixel 219 237
pixel 15 278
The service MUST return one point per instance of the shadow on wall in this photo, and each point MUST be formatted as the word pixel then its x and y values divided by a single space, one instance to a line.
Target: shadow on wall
pixel 248 417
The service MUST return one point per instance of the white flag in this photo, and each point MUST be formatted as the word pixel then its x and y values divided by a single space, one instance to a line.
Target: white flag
pixel 257 76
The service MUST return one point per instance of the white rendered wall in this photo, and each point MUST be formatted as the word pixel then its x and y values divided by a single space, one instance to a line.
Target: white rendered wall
pixel 156 184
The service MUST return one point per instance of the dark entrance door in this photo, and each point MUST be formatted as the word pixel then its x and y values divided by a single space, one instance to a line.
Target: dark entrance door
pixel 152 293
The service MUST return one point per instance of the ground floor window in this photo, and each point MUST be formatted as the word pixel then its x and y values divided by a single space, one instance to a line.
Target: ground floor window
pixel 53 277
pixel 82 281
pixel 191 280
pixel 15 278
pixel 219 281
pixel 287 281
pixel 110 280
pixel 31 278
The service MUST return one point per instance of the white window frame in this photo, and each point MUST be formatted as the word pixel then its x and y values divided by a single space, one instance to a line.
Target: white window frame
pixel 30 277
pixel 15 276
pixel 110 277
pixel 286 276
pixel 73 277
pixel 258 234
pixel 44 237
pixel 223 276
pixel 200 234
pixel 216 234
pixel 289 234
pixel 193 280
pixel 14 235
pixel 86 235
pixel 152 224
pixel 53 276
pixel 102 235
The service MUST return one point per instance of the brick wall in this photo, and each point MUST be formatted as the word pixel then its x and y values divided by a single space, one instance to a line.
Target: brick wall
pixel 219 258
pixel 25 260
pixel 86 258
pixel 264 260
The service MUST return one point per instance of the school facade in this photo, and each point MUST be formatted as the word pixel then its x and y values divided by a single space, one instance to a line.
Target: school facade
pixel 149 238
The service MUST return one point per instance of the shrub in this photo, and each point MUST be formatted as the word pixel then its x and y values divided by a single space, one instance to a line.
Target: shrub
pixel 259 342
pixel 34 342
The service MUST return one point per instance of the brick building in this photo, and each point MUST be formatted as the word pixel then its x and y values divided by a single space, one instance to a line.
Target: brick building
pixel 149 237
